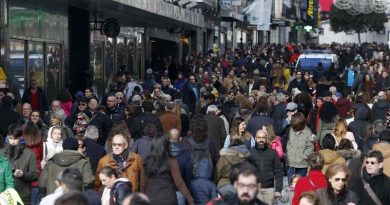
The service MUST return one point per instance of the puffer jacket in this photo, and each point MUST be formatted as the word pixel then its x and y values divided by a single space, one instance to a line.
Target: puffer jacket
pixel 299 147
pixel 59 162
pixel 331 157
pixel 384 148
pixel 379 110
pixel 359 126
pixel 348 197
pixel 325 128
pixel 6 175
pixel 343 106
pixel 183 158
pixel 201 187
pixel 228 158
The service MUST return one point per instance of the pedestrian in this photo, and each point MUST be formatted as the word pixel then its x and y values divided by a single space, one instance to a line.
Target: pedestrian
pixel 116 188
pixel 53 145
pixel 239 131
pixel 288 192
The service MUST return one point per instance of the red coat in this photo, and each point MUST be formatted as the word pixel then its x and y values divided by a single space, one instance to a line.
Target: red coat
pixel 38 151
pixel 303 184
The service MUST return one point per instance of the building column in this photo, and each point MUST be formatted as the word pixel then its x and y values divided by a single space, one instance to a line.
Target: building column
pixel 79 47
pixel 4 38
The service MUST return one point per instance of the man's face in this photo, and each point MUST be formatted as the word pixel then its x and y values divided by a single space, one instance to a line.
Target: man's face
pixel 192 79
pixel 119 144
pixel 384 74
pixel 164 82
pixel 55 105
pixel 372 165
pixel 246 187
pixel 26 110
pixel 299 75
pixel 87 93
pixel 34 84
pixel 93 105
pixel 111 101
pixel 107 181
pixel 13 141
pixel 261 137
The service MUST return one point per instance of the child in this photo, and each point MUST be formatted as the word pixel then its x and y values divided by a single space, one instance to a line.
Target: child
pixel 53 144
pixel 288 192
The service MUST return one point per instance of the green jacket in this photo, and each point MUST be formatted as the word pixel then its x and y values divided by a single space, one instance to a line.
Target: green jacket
pixel 325 128
pixel 228 158
pixel 6 177
pixel 58 163
pixel 299 147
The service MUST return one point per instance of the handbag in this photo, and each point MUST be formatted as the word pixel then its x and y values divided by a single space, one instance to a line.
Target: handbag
pixel 371 193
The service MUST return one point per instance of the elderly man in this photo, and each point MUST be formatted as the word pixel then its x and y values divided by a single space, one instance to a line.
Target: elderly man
pixel 217 131
pixel 26 113
pixel 93 150
pixel 55 106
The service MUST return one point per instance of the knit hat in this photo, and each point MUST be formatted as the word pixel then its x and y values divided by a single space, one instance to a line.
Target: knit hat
pixel 70 143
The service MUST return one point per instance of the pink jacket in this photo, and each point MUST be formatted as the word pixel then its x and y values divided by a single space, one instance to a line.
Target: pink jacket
pixel 276 144
pixel 67 107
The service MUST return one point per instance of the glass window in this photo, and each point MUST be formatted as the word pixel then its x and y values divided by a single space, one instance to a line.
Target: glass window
pixel 98 78
pixel 35 63
pixel 120 56
pixel 53 71
pixel 17 65
pixel 109 62
pixel 130 55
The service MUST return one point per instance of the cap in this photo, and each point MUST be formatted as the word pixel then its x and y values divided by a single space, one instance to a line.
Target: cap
pixel 291 106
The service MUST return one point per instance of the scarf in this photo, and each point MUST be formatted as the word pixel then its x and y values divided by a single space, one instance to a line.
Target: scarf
pixel 121 159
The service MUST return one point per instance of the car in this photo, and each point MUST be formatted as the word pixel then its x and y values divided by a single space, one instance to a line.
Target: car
pixel 310 59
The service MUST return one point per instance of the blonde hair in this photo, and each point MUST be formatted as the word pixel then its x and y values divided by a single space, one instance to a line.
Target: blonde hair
pixel 340 133
pixel 270 133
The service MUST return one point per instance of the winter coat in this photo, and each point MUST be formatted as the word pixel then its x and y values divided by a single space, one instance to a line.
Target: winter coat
pixel 325 128
pixel 343 106
pixel 94 152
pixel 276 144
pixel 249 143
pixel 268 166
pixel 202 189
pixel 279 114
pixel 380 185
pixel 103 123
pixel 139 122
pixel 42 99
pixel 50 149
pixel 359 126
pixel 256 123
pixel 8 116
pixel 183 158
pixel 25 160
pixel 208 144
pixel 143 146
pixel 134 170
pixel 117 115
pixel 379 110
pixel 384 148
pixel 119 191
pixel 331 157
pixel 304 185
pixel 301 85
pixel 232 200
pixel 354 161
pixel 348 197
pixel 6 175
pixel 58 163
pixel 38 151
pixel 67 107
pixel 170 120
pixel 368 143
pixel 228 158
pixel 216 129
pixel 299 147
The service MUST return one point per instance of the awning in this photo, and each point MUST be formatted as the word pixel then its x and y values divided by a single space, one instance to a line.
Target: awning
pixel 230 16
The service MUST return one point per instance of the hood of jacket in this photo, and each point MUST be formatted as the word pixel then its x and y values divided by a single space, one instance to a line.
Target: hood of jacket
pixel 349 153
pixel 67 157
pixel 342 101
pixel 361 114
pixel 204 169
pixel 381 104
pixel 240 151
pixel 384 148
pixel 330 156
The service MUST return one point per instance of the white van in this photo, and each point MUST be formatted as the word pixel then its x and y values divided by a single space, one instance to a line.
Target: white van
pixel 308 61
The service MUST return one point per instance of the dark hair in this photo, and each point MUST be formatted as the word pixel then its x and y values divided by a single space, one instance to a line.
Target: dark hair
pixel 384 135
pixel 247 169
pixel 147 106
pixel 328 142
pixel 328 112
pixel 158 159
pixel 72 198
pixel 315 161
pixel 310 196
pixel 298 121
pixel 375 154
pixel 198 126
pixel 110 171
pixel 15 130
pixel 31 134
pixel 89 88
pixel 345 144
pixel 64 95
pixel 137 199
pixel 94 98
pixel 150 130
pixel 72 178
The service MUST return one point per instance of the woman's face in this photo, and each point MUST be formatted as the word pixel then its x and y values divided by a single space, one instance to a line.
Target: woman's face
pixel 54 121
pixel 338 181
pixel 35 117
pixel 242 127
pixel 56 135
pixel 180 76
pixel 87 93
pixel 368 77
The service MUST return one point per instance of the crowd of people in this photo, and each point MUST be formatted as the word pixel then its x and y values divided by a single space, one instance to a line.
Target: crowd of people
pixel 219 129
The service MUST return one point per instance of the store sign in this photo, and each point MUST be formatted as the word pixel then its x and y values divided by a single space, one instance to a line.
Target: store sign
pixel 310 8
pixel 236 2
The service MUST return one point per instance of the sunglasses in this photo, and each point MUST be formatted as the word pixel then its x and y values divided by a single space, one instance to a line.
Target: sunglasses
pixel 340 179
pixel 80 118
pixel 291 110
pixel 83 104
pixel 370 162
pixel 119 98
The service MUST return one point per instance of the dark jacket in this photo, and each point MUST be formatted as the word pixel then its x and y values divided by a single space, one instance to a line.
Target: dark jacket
pixel 42 99
pixel 228 158
pixel 140 121
pixel 190 144
pixel 142 146
pixel 301 85
pixel 183 158
pixel 344 198
pixel 380 185
pixel 94 152
pixel 25 160
pixel 278 114
pixel 232 200
pixel 119 191
pixel 359 126
pixel 354 159
pixel 256 123
pixel 8 116
pixel 379 110
pixel 216 129
pixel 103 123
pixel 343 106
pixel 58 163
pixel 268 166
pixel 116 115
pixel 201 187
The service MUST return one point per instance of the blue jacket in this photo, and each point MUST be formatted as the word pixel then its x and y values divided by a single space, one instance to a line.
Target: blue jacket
pixel 183 158
pixel 202 188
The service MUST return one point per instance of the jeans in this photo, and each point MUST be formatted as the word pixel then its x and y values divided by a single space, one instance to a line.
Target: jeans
pixel 35 196
pixel 180 198
pixel 292 170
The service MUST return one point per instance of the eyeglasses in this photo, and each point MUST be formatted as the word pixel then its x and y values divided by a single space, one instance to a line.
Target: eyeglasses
pixel 340 179
pixel 119 98
pixel 370 162
pixel 118 144
pixel 80 118
pixel 248 186
pixel 83 104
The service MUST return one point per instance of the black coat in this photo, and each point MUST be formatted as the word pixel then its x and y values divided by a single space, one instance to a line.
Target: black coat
pixel 279 114
pixel 268 166
pixel 256 123
pixel 216 129
pixel 359 126
pixel 140 121
pixel 104 124
pixel 380 184
pixel 7 117
pixel 379 110
pixel 94 152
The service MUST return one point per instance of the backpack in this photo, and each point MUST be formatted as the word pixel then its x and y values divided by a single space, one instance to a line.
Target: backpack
pixel 199 151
